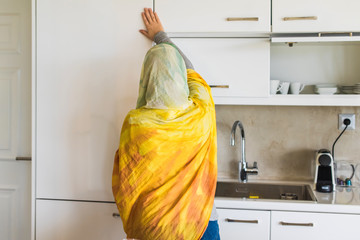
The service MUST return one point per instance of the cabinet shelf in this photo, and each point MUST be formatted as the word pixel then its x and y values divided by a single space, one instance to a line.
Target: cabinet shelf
pixel 296 39
pixel 294 100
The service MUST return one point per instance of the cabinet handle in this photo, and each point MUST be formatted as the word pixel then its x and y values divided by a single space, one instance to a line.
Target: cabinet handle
pixel 116 215
pixel 231 19
pixel 23 158
pixel 219 86
pixel 297 224
pixel 350 34
pixel 241 221
pixel 300 18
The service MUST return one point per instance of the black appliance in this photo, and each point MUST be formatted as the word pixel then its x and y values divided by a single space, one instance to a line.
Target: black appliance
pixel 324 175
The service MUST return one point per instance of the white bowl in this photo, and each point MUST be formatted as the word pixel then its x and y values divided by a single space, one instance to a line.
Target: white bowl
pixel 329 91
pixel 325 85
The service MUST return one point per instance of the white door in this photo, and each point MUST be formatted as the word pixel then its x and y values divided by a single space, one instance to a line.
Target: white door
pixel 15 119
pixel 315 16
pixel 237 224
pixel 302 225
pixel 15 204
pixel 89 58
pixel 214 16
pixel 72 220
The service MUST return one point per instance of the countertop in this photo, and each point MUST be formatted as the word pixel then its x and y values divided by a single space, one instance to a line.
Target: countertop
pixel 342 200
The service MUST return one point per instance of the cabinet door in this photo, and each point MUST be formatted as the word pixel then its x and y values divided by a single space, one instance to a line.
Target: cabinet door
pixel 244 224
pixel 212 15
pixel 300 226
pixel 315 16
pixel 69 220
pixel 88 68
pixel 233 67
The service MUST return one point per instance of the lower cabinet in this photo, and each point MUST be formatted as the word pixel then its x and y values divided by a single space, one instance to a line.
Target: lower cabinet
pixel 300 225
pixel 73 220
pixel 244 224
pixel 285 225
pixel 76 220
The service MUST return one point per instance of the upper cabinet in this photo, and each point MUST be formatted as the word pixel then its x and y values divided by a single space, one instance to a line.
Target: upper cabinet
pixel 253 16
pixel 230 65
pixel 214 16
pixel 293 16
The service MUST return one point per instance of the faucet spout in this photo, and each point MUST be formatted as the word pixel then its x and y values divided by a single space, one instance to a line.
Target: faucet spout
pixel 244 169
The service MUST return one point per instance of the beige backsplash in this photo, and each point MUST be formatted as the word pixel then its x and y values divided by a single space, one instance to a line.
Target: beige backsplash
pixel 283 140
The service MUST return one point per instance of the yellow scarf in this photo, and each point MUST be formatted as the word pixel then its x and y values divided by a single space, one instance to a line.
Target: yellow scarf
pixel 165 169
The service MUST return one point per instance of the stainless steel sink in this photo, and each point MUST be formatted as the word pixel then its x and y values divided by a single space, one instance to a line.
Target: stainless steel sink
pixel 295 192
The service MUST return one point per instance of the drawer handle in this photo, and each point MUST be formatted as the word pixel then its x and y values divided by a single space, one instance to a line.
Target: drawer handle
pixel 23 158
pixel 241 221
pixel 299 18
pixel 116 215
pixel 231 19
pixel 219 86
pixel 297 224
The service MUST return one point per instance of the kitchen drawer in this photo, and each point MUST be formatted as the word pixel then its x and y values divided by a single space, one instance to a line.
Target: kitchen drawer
pixel 300 226
pixel 73 220
pixel 244 224
pixel 211 16
pixel 233 67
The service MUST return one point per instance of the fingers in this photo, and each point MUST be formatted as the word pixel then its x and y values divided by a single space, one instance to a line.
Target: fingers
pixel 152 14
pixel 149 15
pixel 157 18
pixel 145 33
pixel 145 19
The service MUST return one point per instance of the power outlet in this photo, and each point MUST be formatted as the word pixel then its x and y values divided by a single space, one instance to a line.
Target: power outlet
pixel 342 117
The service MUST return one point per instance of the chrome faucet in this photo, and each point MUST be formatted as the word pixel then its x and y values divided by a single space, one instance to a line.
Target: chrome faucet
pixel 244 170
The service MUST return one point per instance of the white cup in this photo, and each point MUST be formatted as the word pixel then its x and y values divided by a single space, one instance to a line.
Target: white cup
pixel 285 88
pixel 275 86
pixel 296 87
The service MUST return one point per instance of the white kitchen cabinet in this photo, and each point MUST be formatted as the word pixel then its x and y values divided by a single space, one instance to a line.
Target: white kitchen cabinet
pixel 300 226
pixel 70 220
pixel 244 224
pixel 284 225
pixel 233 67
pixel 315 16
pixel 213 15
pixel 88 64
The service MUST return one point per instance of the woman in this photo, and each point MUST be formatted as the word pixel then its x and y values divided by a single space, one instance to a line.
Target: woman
pixel 165 170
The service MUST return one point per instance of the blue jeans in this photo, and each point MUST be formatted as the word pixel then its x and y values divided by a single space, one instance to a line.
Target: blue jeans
pixel 212 231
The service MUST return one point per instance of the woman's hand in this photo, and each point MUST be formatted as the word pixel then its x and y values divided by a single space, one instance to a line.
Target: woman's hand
pixel 152 24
